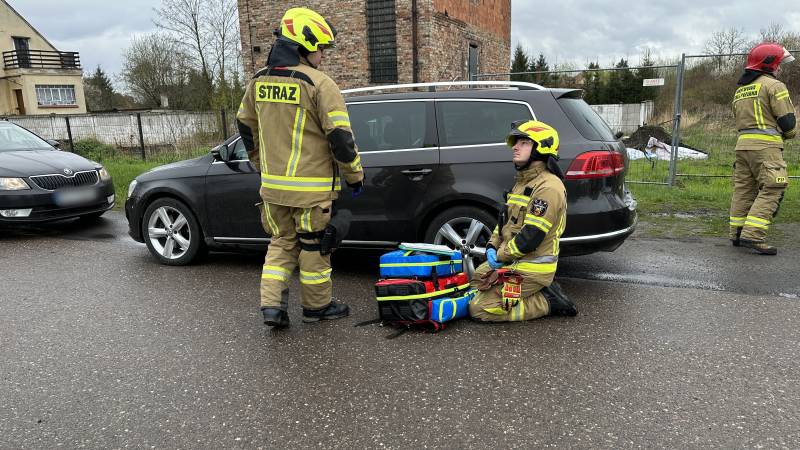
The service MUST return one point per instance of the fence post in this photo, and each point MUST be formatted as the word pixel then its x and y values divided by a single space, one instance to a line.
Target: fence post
pixel 676 124
pixel 69 135
pixel 141 134
pixel 224 124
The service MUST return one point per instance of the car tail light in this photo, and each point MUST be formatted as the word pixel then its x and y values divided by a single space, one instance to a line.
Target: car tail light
pixel 596 164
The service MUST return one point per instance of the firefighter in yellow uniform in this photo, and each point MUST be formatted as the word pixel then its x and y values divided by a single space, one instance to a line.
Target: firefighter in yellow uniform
pixel 526 239
pixel 296 129
pixel 765 117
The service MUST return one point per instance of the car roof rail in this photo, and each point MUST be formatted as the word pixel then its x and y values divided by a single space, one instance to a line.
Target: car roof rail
pixel 432 86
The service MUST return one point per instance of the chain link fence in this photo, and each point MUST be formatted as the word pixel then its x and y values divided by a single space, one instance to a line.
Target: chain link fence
pixel 707 123
pixel 159 135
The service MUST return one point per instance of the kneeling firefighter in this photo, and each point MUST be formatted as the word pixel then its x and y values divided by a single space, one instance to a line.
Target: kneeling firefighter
pixel 297 117
pixel 525 242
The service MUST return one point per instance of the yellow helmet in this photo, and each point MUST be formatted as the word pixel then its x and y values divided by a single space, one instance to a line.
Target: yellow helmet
pixel 307 29
pixel 543 135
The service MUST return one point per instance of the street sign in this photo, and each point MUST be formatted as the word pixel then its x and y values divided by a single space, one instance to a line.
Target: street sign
pixel 653 82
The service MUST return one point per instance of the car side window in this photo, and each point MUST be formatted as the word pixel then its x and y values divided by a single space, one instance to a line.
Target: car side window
pixel 477 122
pixel 239 152
pixel 388 125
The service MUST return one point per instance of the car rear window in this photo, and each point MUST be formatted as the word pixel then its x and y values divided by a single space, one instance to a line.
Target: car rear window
pixel 388 125
pixel 477 122
pixel 589 124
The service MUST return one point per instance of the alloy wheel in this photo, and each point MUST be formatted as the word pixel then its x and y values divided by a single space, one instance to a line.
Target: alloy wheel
pixel 467 235
pixel 169 232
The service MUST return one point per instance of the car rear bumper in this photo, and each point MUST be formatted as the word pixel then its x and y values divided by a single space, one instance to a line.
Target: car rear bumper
pixel 603 242
pixel 47 206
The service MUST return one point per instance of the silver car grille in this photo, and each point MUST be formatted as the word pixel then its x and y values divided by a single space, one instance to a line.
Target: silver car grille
pixel 57 181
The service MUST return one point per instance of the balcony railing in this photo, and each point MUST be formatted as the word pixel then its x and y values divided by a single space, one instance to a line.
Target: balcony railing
pixel 41 59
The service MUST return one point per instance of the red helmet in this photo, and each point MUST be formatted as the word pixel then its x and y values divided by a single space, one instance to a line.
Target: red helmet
pixel 767 56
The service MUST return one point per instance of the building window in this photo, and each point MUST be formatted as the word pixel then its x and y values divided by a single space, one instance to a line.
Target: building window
pixel 55 95
pixel 382 41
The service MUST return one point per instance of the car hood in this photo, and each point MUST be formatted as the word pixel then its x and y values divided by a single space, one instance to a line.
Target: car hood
pixel 188 167
pixel 41 162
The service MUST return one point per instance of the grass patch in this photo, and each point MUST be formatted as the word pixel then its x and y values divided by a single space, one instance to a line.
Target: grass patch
pixel 124 169
pixel 700 205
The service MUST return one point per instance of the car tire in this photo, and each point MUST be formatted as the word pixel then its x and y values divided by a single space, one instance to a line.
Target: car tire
pixel 172 232
pixel 464 228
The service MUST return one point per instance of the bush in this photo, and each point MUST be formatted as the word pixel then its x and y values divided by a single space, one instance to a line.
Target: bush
pixel 93 149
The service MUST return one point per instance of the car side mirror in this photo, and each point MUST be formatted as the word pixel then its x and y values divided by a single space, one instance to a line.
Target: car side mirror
pixel 54 143
pixel 618 135
pixel 217 153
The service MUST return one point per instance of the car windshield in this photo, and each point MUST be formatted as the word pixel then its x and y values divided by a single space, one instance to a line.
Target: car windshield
pixel 14 138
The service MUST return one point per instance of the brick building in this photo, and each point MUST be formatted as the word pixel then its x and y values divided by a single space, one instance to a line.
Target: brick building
pixel 393 41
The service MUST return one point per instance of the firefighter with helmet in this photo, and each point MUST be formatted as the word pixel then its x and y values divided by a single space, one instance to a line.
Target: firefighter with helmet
pixel 295 127
pixel 526 240
pixel 765 118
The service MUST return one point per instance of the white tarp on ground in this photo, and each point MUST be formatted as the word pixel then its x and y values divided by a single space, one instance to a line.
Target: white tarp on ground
pixel 658 150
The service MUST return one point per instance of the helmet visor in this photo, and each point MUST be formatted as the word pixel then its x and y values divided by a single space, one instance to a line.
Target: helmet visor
pixel 787 59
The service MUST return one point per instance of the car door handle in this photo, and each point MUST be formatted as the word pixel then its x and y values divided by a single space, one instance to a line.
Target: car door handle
pixel 416 172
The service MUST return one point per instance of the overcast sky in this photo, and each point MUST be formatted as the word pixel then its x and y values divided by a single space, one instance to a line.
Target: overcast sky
pixel 574 31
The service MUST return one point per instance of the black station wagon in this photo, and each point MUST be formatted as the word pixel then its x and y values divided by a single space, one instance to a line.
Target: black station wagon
pixel 436 166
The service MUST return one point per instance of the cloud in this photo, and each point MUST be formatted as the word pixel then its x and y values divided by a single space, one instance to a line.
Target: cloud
pixel 579 31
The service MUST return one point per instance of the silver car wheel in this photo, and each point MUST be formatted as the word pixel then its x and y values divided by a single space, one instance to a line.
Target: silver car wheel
pixel 467 235
pixel 169 232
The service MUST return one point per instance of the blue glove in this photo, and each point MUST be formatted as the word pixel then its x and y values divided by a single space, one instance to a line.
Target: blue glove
pixel 357 188
pixel 491 258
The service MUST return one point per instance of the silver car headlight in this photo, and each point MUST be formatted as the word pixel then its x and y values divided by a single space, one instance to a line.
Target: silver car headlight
pixel 132 187
pixel 104 175
pixel 13 184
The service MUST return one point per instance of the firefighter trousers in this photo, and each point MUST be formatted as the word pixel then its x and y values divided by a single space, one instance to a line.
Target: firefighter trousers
pixel 287 225
pixel 487 306
pixel 759 181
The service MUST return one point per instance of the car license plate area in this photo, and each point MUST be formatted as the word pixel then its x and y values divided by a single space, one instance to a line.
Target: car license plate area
pixel 74 197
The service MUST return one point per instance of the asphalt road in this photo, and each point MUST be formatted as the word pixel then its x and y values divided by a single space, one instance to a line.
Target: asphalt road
pixel 679 344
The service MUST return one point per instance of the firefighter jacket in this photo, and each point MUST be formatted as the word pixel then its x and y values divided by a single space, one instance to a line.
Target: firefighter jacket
pixel 303 134
pixel 764 114
pixel 528 241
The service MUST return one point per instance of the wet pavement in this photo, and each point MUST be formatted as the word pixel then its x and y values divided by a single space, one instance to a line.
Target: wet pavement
pixel 679 343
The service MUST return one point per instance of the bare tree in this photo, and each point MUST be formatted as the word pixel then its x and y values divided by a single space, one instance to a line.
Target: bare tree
pixel 223 23
pixel 152 66
pixel 208 32
pixel 187 23
pixel 725 42
pixel 773 33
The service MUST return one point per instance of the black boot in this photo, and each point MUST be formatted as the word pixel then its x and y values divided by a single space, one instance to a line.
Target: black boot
pixel 275 317
pixel 737 241
pixel 334 310
pixel 560 305
pixel 759 246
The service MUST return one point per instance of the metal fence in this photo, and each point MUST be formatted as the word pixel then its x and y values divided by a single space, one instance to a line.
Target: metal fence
pixel 707 122
pixel 651 121
pixel 144 134
pixel 688 135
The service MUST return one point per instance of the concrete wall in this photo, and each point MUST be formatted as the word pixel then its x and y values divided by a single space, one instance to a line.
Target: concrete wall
pixel 121 129
pixel 625 117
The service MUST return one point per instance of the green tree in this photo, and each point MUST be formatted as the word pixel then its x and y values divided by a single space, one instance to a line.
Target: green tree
pixel 622 86
pixel 520 63
pixel 646 72
pixel 99 91
pixel 540 65
pixel 592 85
